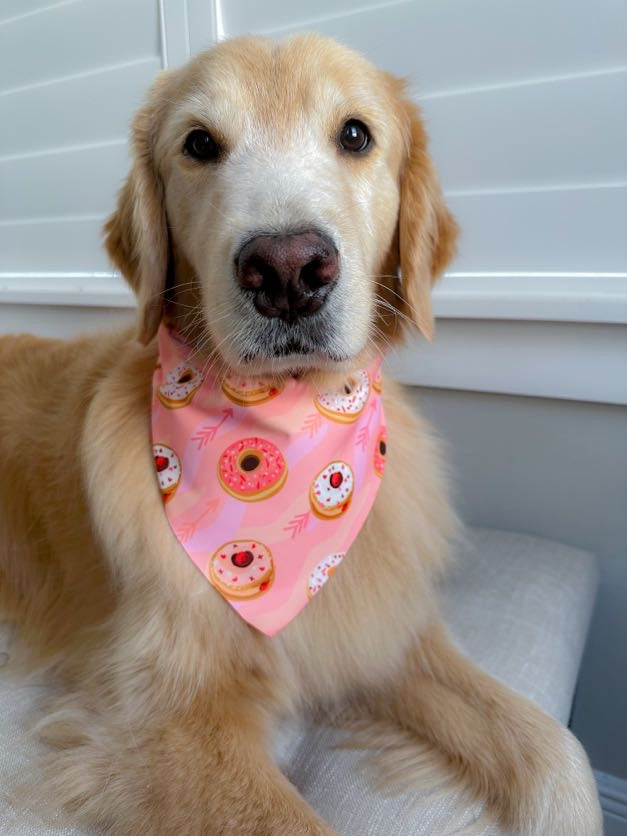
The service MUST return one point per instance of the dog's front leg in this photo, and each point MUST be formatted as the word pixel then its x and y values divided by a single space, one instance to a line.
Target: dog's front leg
pixel 530 770
pixel 197 772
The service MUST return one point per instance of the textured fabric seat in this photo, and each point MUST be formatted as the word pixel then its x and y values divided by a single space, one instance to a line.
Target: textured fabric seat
pixel 518 606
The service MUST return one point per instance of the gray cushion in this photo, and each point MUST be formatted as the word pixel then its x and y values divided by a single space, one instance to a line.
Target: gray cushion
pixel 518 606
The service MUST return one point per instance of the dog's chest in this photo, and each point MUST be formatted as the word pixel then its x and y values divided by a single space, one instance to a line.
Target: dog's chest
pixel 356 632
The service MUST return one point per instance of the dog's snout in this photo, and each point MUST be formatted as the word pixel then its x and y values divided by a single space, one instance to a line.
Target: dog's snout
pixel 291 275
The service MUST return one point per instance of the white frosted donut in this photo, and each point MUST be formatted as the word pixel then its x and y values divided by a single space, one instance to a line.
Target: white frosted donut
pixel 180 386
pixel 331 491
pixel 168 469
pixel 241 569
pixel 322 573
pixel 347 404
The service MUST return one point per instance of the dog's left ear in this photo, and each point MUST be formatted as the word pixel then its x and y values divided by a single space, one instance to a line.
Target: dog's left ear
pixel 136 235
pixel 427 232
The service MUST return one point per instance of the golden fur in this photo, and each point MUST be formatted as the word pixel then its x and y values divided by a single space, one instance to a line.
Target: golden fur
pixel 169 696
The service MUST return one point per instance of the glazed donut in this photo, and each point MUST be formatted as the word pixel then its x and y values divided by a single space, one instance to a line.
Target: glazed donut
pixel 331 491
pixel 377 383
pixel 246 391
pixel 252 469
pixel 168 469
pixel 322 573
pixel 241 569
pixel 180 386
pixel 347 404
pixel 380 449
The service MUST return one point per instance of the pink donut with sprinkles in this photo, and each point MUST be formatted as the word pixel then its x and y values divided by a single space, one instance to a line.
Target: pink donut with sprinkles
pixel 252 469
pixel 180 386
pixel 346 404
pixel 380 450
pixel 241 569
pixel 322 573
pixel 332 490
pixel 168 469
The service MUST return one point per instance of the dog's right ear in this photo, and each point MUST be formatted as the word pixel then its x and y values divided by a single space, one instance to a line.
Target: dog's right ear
pixel 136 234
pixel 427 230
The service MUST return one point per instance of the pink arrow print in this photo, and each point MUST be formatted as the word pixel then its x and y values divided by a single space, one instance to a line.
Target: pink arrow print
pixel 209 431
pixel 363 436
pixel 186 531
pixel 297 524
pixel 312 424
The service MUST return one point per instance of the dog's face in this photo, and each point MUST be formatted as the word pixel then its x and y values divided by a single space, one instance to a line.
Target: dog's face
pixel 276 191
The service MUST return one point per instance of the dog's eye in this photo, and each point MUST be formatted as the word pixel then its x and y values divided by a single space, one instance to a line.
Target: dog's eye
pixel 355 136
pixel 201 146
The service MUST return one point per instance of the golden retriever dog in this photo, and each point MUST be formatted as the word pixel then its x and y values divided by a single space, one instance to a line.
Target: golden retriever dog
pixel 169 698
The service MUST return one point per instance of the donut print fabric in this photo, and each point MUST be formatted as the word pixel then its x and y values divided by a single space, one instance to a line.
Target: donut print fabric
pixel 272 484
pixel 241 569
pixel 246 391
pixel 322 573
pixel 168 469
pixel 380 451
pixel 347 404
pixel 332 490
pixel 180 386
pixel 252 469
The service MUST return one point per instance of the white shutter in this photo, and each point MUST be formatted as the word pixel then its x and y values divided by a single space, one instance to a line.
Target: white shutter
pixel 526 106
pixel 71 76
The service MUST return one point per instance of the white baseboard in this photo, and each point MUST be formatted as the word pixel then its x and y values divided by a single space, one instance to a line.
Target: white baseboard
pixel 578 361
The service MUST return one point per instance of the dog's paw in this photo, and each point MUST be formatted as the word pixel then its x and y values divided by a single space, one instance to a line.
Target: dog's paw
pixel 562 799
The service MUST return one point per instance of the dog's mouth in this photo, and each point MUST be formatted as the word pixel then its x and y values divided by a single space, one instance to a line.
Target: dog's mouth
pixel 292 355
pixel 292 347
pixel 263 345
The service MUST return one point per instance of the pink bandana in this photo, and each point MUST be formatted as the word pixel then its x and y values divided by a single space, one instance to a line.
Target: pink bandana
pixel 265 487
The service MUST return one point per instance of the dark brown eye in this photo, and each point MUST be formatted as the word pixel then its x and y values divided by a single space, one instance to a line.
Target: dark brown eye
pixel 355 136
pixel 200 145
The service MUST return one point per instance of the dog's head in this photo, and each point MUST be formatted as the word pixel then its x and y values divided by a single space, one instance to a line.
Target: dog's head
pixel 275 193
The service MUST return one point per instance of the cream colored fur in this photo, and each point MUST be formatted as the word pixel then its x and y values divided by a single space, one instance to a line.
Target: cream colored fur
pixel 170 698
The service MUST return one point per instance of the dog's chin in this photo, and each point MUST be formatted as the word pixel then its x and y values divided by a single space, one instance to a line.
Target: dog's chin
pixel 293 357
pixel 276 349
pixel 281 361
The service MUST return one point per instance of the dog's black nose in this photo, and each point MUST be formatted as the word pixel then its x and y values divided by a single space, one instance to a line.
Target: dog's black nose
pixel 291 275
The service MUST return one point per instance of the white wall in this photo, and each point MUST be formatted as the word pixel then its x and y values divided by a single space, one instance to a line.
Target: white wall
pixel 523 104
